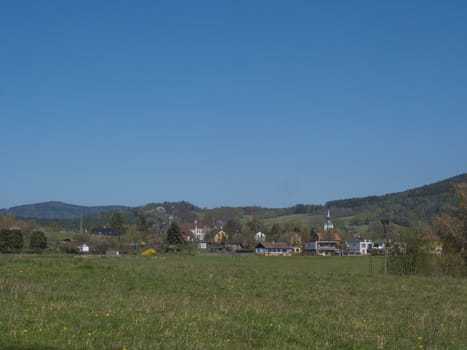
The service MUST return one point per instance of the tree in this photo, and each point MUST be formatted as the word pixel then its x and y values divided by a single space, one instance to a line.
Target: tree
pixel 38 240
pixel 143 226
pixel 275 232
pixel 452 226
pixel 256 224
pixel 233 227
pixel 174 235
pixel 313 235
pixel 7 221
pixel 117 223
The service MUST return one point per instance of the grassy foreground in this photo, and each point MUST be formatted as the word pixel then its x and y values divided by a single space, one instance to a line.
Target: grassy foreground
pixel 208 302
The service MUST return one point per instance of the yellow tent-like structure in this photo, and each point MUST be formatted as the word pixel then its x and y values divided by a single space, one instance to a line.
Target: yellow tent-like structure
pixel 149 251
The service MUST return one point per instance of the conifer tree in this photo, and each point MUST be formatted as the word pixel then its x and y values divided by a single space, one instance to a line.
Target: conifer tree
pixel 173 234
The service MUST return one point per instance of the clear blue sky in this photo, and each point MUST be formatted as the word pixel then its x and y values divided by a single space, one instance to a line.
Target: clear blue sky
pixel 270 103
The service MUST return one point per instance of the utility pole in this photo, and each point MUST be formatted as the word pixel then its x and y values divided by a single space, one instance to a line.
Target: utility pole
pixel 81 222
pixel 385 222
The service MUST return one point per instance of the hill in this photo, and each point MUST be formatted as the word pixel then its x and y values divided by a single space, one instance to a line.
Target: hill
pixel 408 208
pixel 414 207
pixel 57 210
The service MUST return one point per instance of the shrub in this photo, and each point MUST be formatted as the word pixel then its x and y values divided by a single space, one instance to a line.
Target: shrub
pixel 38 241
pixel 11 241
pixel 410 258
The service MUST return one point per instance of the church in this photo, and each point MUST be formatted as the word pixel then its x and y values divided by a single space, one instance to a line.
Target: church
pixel 327 241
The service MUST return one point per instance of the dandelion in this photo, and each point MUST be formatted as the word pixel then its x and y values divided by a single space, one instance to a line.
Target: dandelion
pixel 419 338
pixel 65 328
pixel 89 334
pixel 107 314
pixel 39 329
pixel 270 324
pixel 25 331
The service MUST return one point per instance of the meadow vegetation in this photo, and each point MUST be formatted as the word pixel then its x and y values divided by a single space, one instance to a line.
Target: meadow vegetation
pixel 179 301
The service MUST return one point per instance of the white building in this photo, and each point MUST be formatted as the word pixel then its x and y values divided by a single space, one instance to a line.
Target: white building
pixel 359 246
pixel 260 237
pixel 198 232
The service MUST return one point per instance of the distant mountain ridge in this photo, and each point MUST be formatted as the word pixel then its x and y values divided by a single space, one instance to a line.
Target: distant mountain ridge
pixel 57 210
pixel 407 208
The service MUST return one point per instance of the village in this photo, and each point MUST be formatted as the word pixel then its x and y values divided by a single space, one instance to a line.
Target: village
pixel 327 242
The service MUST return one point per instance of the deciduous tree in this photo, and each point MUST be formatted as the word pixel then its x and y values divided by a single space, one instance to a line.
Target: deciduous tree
pixel 452 226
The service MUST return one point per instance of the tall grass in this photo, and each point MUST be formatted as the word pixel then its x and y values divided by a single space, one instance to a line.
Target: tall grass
pixel 191 302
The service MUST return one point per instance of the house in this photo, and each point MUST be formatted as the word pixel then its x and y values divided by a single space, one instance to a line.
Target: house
pixel 197 231
pixel 273 249
pixel 260 237
pixel 106 231
pixel 327 243
pixel 359 246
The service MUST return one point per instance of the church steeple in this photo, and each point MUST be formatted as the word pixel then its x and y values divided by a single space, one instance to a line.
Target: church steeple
pixel 328 225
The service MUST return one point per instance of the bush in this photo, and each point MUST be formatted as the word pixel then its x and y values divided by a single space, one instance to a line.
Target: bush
pixel 11 241
pixel 38 241
pixel 409 258
pixel 452 265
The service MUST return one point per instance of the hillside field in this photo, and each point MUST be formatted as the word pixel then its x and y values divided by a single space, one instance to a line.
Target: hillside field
pixel 224 302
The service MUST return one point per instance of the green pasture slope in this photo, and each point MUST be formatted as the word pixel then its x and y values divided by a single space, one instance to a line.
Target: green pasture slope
pixel 222 302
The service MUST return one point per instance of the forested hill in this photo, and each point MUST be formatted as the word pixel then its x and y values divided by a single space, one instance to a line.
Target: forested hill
pixel 406 208
pixel 57 210
pixel 413 207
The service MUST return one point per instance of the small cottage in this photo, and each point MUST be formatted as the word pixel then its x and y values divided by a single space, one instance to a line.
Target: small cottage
pixel 273 249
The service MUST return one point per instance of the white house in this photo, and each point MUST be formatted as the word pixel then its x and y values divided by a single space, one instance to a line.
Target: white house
pixel 83 248
pixel 199 231
pixel 260 237
pixel 359 246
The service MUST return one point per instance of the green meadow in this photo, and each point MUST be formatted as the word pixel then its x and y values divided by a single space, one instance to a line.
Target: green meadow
pixel 224 302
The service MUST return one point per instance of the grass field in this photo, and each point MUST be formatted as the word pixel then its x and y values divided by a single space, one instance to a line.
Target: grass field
pixel 222 302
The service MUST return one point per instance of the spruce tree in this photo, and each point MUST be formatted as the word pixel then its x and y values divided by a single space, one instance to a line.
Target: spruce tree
pixel 174 237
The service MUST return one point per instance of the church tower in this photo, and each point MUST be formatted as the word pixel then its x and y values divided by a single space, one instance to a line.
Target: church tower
pixel 328 225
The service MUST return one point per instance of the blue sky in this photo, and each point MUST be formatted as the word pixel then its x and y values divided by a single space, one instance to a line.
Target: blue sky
pixel 270 103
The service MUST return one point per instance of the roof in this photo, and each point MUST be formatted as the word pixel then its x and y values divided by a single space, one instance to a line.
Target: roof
pixel 272 245
pixel 329 236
